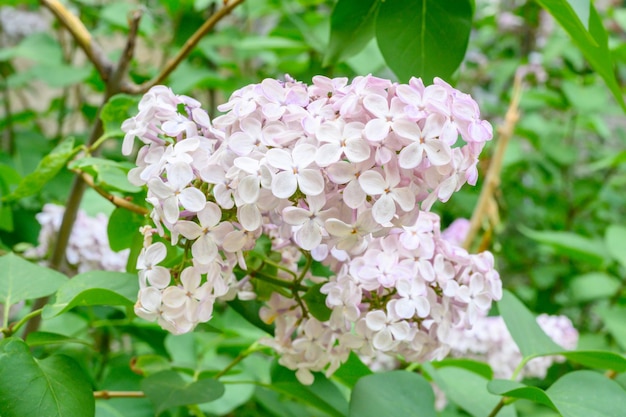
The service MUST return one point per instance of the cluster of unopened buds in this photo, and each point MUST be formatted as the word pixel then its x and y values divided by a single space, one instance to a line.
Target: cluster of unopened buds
pixel 339 173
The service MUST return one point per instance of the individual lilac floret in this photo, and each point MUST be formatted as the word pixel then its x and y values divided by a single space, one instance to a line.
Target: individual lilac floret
pixel 345 173
pixel 88 247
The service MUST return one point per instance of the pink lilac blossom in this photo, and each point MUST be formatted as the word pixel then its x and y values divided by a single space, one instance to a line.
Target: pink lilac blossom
pixel 343 172
pixel 490 341
pixel 88 247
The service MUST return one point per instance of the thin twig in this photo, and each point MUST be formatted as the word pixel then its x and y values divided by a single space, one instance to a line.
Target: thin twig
pixel 107 395
pixel 82 37
pixel 117 201
pixel 127 55
pixel 492 179
pixel 497 408
pixel 191 43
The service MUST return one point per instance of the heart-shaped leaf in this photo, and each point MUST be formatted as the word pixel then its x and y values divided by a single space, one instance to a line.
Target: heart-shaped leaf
pixel 167 389
pixel 514 389
pixel 52 387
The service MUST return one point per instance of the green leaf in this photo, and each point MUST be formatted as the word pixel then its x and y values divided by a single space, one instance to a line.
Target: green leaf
pixel 352 25
pixel 119 108
pixel 531 340
pixel 123 227
pixel 597 359
pixel 316 303
pixel 582 9
pixel 322 394
pixel 22 280
pixel 593 43
pixel 467 390
pixel 593 286
pixel 60 75
pixel 613 319
pixel 424 38
pixel 395 393
pixel 47 169
pixel 48 338
pixel 479 368
pixel 150 364
pixel 571 244
pixel 115 177
pixel 167 389
pixel 94 288
pixel 52 387
pixel 514 389
pixel 587 394
pixel 351 371
pixel 615 240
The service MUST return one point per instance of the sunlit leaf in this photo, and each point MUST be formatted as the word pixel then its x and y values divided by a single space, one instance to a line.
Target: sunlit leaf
pixel 22 280
pixel 514 389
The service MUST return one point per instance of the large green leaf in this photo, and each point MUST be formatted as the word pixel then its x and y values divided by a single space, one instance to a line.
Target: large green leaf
pixel 615 240
pixel 514 389
pixel 21 280
pixel 587 394
pixel 598 359
pixel 352 25
pixel 167 389
pixel 531 340
pixel 123 227
pixel 593 42
pixel 390 394
pixel 593 286
pixel 52 387
pixel 322 394
pixel 467 389
pixel 571 244
pixel 95 288
pixel 351 371
pixel 47 169
pixel 119 108
pixel 613 319
pixel 424 38
pixel 479 368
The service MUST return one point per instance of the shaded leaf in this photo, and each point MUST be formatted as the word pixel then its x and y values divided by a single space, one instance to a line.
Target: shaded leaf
pixel 514 389
pixel 52 387
pixel 351 370
pixel 615 240
pixel 587 394
pixel 593 286
pixel 119 108
pixel 424 38
pixel 395 393
pixel 352 25
pixel 48 338
pixel 479 368
pixel 531 340
pixel 47 169
pixel 94 288
pixel 316 303
pixel 123 227
pixel 22 280
pixel 597 359
pixel 592 40
pixel 571 244
pixel 613 319
pixel 167 389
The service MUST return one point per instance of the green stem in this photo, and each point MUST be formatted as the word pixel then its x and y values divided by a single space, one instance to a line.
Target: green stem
pixel 294 286
pixel 497 408
pixel 281 267
pixel 10 330
pixel 253 348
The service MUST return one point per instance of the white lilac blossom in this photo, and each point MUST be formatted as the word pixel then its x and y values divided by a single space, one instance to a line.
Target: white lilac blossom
pixel 344 173
pixel 88 247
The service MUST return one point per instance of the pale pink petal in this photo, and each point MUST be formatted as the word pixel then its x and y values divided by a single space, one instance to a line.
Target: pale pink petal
pixel 249 216
pixel 353 195
pixel 407 129
pixel 192 199
pixel 249 189
pixel 404 308
pixel 404 197
pixel 377 105
pixel 204 250
pixel 357 150
pixel 336 227
pixel 329 153
pixel 179 175
pixel 341 172
pixel 411 156
pixel 311 181
pixel 189 229
pixel 174 297
pixel 383 340
pixel 158 277
pixel 372 182
pixel 376 130
pixel 303 155
pixel 309 236
pixel 155 253
pixel 159 188
pixel 384 209
pixel 190 278
pixel 438 153
pixel 376 320
pixel 279 158
pixel 284 183
pixel 210 215
pixel 171 210
pixel 295 216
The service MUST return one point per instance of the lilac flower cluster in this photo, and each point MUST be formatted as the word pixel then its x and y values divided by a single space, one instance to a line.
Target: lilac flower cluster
pixel 490 341
pixel 337 171
pixel 88 247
